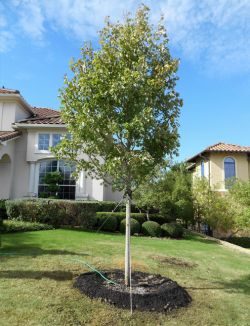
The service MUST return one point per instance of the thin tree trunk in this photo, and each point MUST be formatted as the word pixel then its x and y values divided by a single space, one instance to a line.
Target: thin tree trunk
pixel 127 241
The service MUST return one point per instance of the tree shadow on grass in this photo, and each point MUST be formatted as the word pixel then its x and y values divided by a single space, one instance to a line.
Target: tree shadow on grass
pixel 37 275
pixel 241 285
pixel 24 244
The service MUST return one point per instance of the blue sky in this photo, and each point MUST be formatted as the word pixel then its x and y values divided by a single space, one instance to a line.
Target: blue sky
pixel 211 37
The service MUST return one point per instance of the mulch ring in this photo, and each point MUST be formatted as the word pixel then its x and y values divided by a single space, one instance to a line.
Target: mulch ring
pixel 149 292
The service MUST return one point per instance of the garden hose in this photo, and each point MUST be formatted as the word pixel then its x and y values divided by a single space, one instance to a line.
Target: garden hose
pixel 76 260
pixel 94 270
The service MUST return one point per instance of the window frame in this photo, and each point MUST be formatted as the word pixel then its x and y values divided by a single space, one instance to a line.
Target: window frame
pixel 47 151
pixel 224 170
pixel 57 169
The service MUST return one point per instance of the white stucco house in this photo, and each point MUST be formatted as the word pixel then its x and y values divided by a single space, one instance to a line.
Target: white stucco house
pixel 26 135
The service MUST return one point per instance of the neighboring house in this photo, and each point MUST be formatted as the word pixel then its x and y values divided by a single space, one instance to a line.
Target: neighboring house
pixel 220 163
pixel 26 134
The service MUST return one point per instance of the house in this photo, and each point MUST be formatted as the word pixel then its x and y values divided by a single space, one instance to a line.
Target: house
pixel 221 163
pixel 26 135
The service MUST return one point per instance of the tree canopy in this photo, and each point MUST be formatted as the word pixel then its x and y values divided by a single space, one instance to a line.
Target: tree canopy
pixel 121 106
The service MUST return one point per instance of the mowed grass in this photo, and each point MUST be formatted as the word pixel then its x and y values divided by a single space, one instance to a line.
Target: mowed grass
pixel 37 272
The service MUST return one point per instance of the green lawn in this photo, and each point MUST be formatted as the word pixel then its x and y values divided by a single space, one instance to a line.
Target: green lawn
pixel 36 280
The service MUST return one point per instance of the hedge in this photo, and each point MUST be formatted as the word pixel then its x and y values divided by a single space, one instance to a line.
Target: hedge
pixel 107 221
pixel 135 226
pixel 3 213
pixel 10 226
pixel 159 218
pixel 172 230
pixel 54 212
pixel 239 241
pixel 151 228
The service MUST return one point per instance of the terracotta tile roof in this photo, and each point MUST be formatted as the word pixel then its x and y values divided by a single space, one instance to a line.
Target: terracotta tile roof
pixel 7 135
pixel 43 116
pixel 221 147
pixel 9 91
pixel 44 112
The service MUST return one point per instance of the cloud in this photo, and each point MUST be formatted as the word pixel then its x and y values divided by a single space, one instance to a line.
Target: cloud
pixel 211 34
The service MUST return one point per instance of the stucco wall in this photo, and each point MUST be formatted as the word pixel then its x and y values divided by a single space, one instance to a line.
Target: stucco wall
pixel 33 154
pixel 21 168
pixel 7 162
pixel 10 112
pixel 217 168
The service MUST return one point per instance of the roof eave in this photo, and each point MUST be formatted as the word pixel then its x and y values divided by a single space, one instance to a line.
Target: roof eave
pixel 18 97
pixel 4 142
pixel 33 125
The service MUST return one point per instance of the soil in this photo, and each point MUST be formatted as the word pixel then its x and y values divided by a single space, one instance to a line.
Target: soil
pixel 149 292
pixel 174 261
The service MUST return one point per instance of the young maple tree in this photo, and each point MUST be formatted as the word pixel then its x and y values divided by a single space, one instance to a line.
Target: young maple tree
pixel 121 107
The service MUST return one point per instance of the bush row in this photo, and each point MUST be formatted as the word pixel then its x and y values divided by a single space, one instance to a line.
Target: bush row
pixel 3 213
pixel 10 226
pixel 54 212
pixel 69 212
pixel 116 221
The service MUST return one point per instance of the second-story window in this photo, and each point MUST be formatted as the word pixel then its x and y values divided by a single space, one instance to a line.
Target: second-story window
pixel 43 142
pixel 56 138
pixel 230 171
pixel 202 169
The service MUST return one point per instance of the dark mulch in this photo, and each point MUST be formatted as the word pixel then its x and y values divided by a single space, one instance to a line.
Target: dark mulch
pixel 149 292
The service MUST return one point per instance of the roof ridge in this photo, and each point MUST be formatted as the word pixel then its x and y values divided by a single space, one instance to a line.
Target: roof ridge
pixel 207 148
pixel 44 108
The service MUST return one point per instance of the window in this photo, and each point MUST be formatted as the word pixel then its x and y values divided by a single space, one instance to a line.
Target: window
pixel 68 183
pixel 202 169
pixel 56 138
pixel 229 168
pixel 43 142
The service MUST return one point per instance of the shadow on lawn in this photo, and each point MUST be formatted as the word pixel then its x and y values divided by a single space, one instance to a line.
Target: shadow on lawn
pixel 241 285
pixel 24 244
pixel 37 275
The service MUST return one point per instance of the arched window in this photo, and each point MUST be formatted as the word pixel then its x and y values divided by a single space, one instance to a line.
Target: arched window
pixel 202 169
pixel 68 183
pixel 230 172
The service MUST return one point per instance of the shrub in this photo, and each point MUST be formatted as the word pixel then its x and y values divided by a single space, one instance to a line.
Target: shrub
pixel 107 221
pixel 10 226
pixel 3 213
pixel 53 212
pixel 172 230
pixel 151 228
pixel 239 241
pixel 159 218
pixel 134 226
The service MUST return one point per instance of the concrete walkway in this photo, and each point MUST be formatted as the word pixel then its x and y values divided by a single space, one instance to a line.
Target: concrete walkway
pixel 225 243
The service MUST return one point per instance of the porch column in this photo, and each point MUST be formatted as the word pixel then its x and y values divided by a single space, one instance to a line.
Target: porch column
pixel 97 189
pixel 81 193
pixel 32 178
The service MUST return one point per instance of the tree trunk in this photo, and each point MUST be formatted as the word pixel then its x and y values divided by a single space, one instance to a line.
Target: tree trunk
pixel 127 241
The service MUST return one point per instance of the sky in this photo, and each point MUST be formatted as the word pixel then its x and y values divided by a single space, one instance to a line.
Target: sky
pixel 211 38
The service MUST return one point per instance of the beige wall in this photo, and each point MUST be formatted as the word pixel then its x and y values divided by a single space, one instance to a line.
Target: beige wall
pixel 21 168
pixel 216 166
pixel 11 112
pixel 7 162
pixel 33 154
